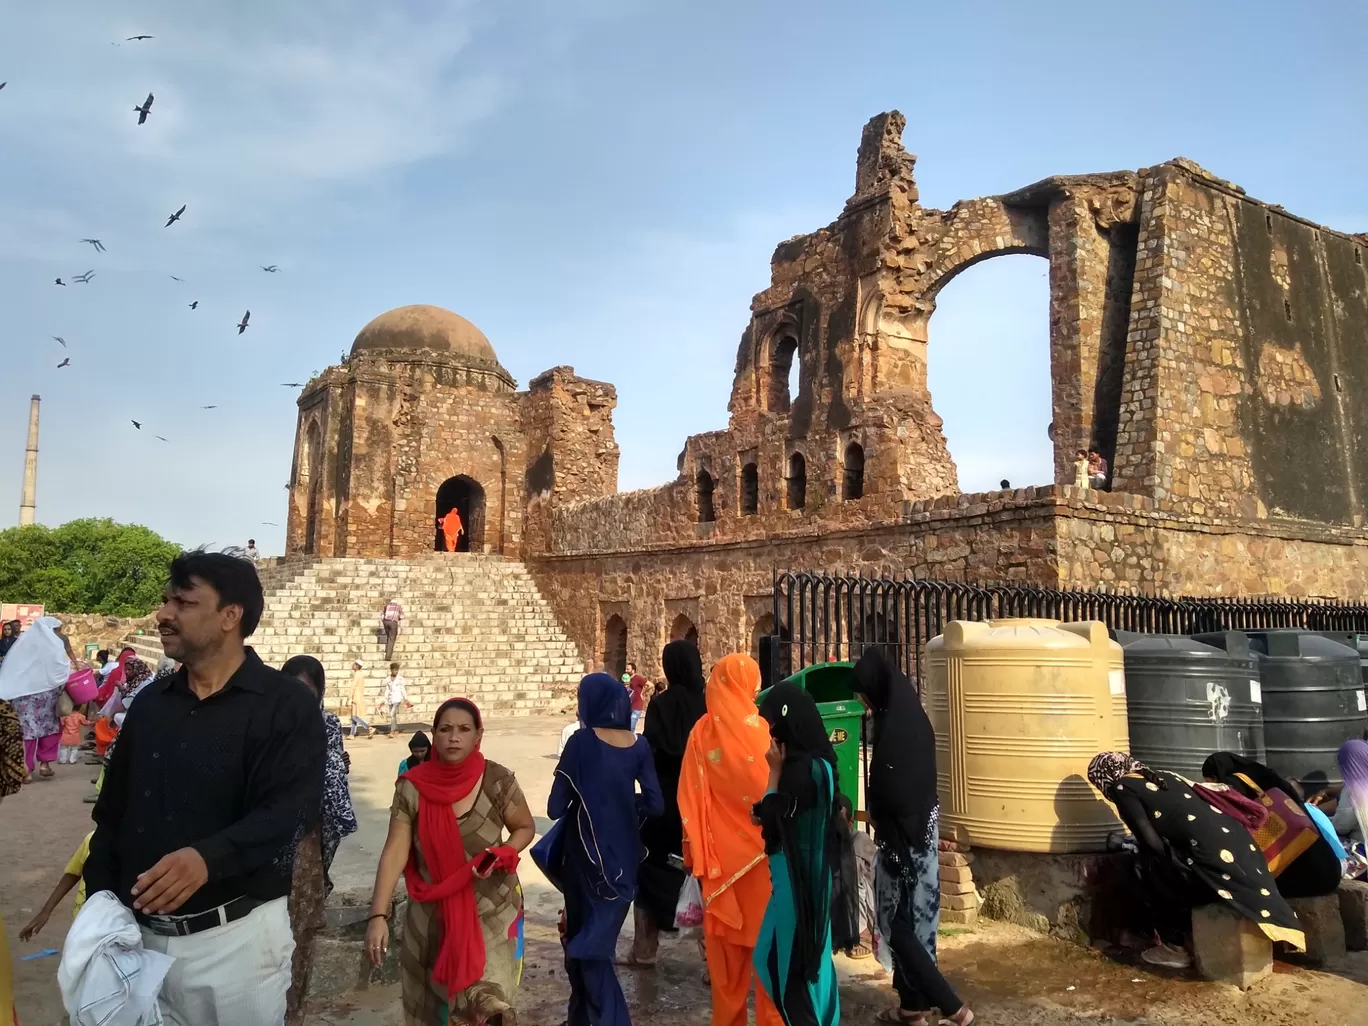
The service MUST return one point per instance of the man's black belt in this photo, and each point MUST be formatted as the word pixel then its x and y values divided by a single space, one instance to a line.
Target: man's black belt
pixel 185 926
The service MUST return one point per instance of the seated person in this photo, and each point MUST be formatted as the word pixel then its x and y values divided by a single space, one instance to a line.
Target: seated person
pixel 1189 855
pixel 1315 871
pixel 419 746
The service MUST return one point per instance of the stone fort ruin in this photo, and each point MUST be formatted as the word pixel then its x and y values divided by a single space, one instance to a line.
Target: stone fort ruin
pixel 1208 344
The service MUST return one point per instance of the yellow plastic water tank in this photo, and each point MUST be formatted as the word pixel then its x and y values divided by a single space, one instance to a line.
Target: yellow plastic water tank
pixel 1020 707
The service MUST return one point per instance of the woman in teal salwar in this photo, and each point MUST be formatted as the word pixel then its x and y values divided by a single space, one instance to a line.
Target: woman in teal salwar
pixel 798 820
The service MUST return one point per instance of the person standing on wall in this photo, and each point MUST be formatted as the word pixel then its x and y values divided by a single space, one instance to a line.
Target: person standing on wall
pixel 358 699
pixel 389 620
pixel 217 765
pixel 395 696
pixel 253 553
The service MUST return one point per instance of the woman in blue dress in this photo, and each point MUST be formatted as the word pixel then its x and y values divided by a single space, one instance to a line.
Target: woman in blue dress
pixel 800 825
pixel 593 852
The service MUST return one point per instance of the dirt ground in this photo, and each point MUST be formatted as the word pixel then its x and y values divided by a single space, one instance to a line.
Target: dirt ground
pixel 1007 974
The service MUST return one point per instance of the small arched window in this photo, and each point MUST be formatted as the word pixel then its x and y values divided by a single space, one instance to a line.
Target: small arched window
pixel 852 485
pixel 797 481
pixel 783 375
pixel 750 489
pixel 703 485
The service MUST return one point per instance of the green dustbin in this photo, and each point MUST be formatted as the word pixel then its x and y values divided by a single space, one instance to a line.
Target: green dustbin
pixel 830 685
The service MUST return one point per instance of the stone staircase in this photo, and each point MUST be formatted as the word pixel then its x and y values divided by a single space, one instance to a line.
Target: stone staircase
pixel 474 625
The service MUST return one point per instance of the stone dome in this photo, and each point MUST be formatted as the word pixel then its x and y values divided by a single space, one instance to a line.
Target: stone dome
pixel 426 327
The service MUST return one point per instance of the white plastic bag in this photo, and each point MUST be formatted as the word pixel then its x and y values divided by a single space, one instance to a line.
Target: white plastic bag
pixel 689 908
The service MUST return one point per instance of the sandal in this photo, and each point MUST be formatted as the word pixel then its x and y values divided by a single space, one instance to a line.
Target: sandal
pixel 46 772
pixel 964 1017
pixel 899 1015
pixel 632 962
pixel 860 951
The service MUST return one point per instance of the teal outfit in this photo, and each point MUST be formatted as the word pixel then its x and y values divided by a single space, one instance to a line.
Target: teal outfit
pixel 793 951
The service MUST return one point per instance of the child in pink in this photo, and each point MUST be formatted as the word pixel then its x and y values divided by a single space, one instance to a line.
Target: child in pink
pixel 70 751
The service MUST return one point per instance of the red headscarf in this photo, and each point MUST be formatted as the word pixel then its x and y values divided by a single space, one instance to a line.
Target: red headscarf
pixel 440 785
pixel 115 678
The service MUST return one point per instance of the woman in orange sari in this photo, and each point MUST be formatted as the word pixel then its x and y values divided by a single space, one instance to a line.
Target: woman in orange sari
pixel 723 775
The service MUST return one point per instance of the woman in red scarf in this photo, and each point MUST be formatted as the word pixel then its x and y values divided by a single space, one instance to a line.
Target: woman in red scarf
pixel 461 956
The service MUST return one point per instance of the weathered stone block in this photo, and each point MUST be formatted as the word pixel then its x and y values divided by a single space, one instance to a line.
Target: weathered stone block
pixel 959 917
pixel 959 902
pixel 1322 924
pixel 1353 902
pixel 1229 948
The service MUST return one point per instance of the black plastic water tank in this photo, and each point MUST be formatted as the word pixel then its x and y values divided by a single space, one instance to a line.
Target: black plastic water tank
pixel 1313 700
pixel 1358 642
pixel 1186 699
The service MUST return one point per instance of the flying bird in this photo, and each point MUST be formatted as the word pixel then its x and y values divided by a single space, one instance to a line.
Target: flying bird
pixel 292 384
pixel 270 270
pixel 83 278
pixel 194 305
pixel 208 407
pixel 270 523
pixel 59 282
pixel 64 363
pixel 172 276
pixel 99 246
pixel 3 84
pixel 132 39
pixel 242 326
pixel 136 424
pixel 58 338
pixel 145 109
pixel 162 439
pixel 172 220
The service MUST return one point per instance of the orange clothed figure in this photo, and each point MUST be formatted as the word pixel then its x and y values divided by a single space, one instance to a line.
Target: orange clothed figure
pixel 451 529
pixel 723 775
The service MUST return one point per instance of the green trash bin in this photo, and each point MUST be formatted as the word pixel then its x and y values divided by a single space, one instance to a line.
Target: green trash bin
pixel 830 685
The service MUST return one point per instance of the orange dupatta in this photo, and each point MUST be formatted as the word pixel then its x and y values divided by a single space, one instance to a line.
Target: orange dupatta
pixel 724 773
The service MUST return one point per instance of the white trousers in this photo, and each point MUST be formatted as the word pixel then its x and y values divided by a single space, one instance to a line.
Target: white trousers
pixel 234 975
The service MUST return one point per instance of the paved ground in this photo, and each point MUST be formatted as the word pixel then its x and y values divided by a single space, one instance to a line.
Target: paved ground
pixel 1008 974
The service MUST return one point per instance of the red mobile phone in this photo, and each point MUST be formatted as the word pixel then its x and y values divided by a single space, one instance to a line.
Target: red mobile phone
pixel 484 865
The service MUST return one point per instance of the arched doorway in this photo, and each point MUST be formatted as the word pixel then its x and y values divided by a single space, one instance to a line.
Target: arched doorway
pixel 313 484
pixel 763 626
pixel 467 498
pixel 683 629
pixel 615 646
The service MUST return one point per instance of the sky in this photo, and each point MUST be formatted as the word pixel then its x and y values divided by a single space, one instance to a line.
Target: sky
pixel 598 183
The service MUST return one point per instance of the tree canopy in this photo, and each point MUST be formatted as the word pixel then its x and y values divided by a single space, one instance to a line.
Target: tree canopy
pixel 85 566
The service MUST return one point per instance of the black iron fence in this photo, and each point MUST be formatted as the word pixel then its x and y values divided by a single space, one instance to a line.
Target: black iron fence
pixel 824 617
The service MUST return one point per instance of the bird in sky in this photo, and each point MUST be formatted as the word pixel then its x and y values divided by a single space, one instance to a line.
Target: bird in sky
pixel 270 523
pixel 242 326
pixel 292 384
pixel 172 276
pixel 173 219
pixel 99 246
pixel 208 407
pixel 133 39
pixel 83 278
pixel 64 363
pixel 58 338
pixel 145 109
pixel 194 305
pixel 136 424
pixel 270 270
pixel 162 438
pixel 3 84
pixel 59 282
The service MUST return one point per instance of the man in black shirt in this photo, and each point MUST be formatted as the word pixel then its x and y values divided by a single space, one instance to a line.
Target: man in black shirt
pixel 216 767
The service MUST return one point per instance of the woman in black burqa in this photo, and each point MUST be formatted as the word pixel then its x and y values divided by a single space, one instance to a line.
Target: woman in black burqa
pixel 669 719
pixel 905 811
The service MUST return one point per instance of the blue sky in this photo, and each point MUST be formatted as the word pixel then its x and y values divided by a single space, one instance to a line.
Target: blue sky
pixel 597 183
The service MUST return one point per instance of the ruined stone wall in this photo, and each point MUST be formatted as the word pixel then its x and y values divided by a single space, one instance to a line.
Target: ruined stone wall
pixel 1248 347
pixel 723 588
pixel 570 451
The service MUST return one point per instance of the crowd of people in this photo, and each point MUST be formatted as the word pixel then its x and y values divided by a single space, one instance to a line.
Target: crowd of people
pixel 224 796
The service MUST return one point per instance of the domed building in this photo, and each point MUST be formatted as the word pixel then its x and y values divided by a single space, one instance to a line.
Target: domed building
pixel 422 419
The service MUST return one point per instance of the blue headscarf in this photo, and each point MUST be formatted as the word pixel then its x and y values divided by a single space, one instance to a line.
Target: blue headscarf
pixel 604 702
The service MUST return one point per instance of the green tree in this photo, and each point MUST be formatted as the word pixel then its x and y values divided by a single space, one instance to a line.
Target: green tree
pixel 85 566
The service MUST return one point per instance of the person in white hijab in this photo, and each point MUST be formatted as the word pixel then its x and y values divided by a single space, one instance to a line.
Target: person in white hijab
pixel 31 680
